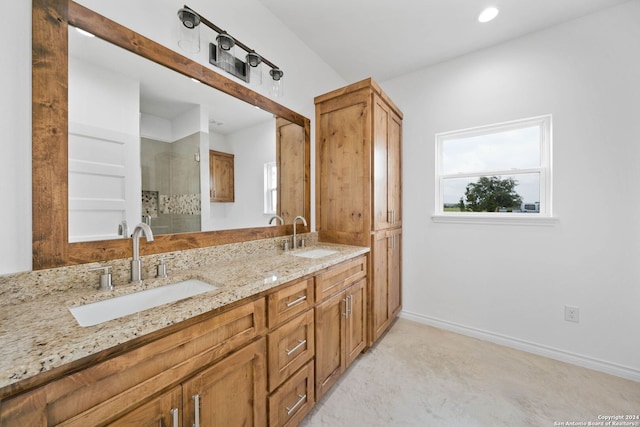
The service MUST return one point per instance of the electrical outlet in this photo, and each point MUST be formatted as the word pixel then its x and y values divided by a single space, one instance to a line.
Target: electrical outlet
pixel 571 314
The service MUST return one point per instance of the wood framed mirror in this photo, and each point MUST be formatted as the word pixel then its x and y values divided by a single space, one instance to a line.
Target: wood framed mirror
pixel 51 247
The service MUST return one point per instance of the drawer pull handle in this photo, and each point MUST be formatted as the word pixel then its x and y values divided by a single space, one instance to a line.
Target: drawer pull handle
pixel 294 349
pixel 294 302
pixel 196 407
pixel 174 417
pixel 298 403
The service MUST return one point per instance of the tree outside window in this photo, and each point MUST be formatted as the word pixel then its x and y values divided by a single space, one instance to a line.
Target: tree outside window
pixel 495 170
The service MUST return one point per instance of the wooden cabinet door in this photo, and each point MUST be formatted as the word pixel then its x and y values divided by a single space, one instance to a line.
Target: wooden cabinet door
pixel 379 284
pixel 394 279
pixel 386 292
pixel 330 345
pixel 387 167
pixel 355 330
pixel 221 176
pixel 343 165
pixel 381 214
pixel 165 410
pixel 394 170
pixel 230 393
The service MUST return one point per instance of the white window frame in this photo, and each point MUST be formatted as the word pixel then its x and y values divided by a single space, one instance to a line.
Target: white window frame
pixel 544 217
pixel 269 189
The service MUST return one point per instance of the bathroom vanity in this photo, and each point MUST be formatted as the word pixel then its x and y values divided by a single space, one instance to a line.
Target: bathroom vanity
pixel 254 351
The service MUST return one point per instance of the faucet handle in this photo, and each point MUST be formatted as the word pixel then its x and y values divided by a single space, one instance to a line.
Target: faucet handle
pixel 162 267
pixel 105 278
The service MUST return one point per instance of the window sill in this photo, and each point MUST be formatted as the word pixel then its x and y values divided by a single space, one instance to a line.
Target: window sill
pixel 500 219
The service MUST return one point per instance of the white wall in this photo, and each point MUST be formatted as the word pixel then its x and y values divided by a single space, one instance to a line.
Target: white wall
pixel 15 141
pixel 306 76
pixel 171 130
pixel 510 283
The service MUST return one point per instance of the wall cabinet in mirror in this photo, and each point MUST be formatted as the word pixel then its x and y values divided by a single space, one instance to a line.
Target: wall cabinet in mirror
pixel 221 172
pixel 50 199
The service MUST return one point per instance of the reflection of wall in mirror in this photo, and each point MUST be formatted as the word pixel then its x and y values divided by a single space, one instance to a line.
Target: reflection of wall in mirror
pixel 104 158
pixel 252 147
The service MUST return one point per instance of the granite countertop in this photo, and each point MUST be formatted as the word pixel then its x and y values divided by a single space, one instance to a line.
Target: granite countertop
pixel 40 335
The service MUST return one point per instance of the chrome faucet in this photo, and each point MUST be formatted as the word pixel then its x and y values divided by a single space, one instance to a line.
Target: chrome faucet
pixel 295 221
pixel 278 218
pixel 136 263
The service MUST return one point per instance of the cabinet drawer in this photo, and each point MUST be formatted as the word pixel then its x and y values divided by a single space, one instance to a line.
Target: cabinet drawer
pixel 339 277
pixel 289 302
pixel 290 347
pixel 291 402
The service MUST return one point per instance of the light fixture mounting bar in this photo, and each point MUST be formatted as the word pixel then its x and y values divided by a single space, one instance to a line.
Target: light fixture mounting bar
pixel 219 30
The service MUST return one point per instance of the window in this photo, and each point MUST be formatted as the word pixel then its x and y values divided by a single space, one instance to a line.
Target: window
pixel 501 170
pixel 270 188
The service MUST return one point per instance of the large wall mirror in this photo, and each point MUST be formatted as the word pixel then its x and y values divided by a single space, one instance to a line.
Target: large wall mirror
pixel 149 136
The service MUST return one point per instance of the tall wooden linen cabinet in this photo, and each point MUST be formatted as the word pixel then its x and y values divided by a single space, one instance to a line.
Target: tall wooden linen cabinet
pixel 359 188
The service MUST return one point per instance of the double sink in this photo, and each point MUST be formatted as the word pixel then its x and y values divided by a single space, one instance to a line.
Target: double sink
pixel 114 308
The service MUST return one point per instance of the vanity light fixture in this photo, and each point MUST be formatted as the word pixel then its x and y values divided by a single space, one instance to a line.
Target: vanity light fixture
pixel 189 31
pixel 254 61
pixel 488 14
pixel 276 90
pixel 225 53
pixel 222 54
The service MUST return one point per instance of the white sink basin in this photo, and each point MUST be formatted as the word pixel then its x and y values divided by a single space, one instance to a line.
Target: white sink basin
pixel 113 308
pixel 316 253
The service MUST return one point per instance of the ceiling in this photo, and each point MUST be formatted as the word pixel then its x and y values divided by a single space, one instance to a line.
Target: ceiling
pixel 384 39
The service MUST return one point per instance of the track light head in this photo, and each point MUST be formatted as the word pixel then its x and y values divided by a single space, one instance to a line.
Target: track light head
pixel 188 17
pixel 276 74
pixel 253 59
pixel 225 41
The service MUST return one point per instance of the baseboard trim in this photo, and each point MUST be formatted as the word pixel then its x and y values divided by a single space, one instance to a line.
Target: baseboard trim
pixel 530 347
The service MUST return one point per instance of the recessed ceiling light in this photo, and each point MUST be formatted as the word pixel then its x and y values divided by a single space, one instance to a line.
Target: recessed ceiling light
pixel 488 14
